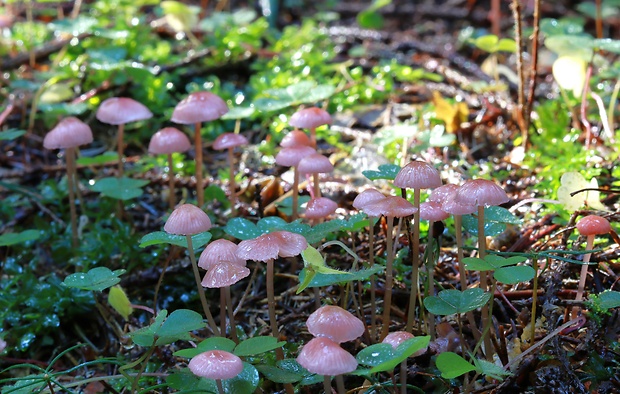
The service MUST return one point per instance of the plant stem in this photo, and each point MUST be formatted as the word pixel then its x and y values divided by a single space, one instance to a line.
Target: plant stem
pixel 271 300
pixel 403 377
pixel 171 196
pixel 220 388
pixel 534 66
pixel 584 275
pixel 415 260
pixel 134 386
pixel 316 185
pixel 222 312
pixel 534 301
pixel 231 182
pixel 198 158
pixel 231 315
pixel 340 384
pixel 295 193
pixel 387 298
pixel 482 251
pixel 430 266
pixel 70 158
pixel 120 148
pixel 373 281
pixel 327 384
pixel 201 291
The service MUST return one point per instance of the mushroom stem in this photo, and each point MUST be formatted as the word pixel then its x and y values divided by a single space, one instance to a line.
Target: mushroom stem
pixel 403 377
pixel 220 388
pixel 120 137
pixel 340 384
pixel 327 384
pixel 231 181
pixel 272 307
pixel 222 312
pixel 70 157
pixel 458 234
pixel 171 196
pixel 431 276
pixel 198 158
pixel 387 298
pixel 316 185
pixel 373 285
pixel 584 274
pixel 231 314
pixel 201 291
pixel 482 251
pixel 415 260
pixel 313 137
pixel 295 193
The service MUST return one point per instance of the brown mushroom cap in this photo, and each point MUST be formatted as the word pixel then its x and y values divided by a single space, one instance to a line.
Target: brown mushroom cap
pixel 315 164
pixel 218 251
pixel 324 357
pixel 269 246
pixel 335 323
pixel 199 107
pixel 187 219
pixel 216 364
pixel 480 192
pixel 224 274
pixel 310 118
pixel 169 140
pixel 229 140
pixel 122 110
pixel 417 175
pixel 319 208
pixel 593 225
pixel 290 157
pixel 68 133
pixel 295 138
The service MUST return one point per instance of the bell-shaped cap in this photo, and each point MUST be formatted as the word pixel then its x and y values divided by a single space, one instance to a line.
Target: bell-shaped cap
pixel 432 211
pixel 480 193
pixel 335 323
pixel 366 197
pixel 324 357
pixel 417 175
pixel 310 118
pixel 229 140
pixel 199 107
pixel 319 208
pixel 295 138
pixel 187 219
pixel 315 164
pixel 593 225
pixel 398 337
pixel 443 193
pixel 290 157
pixel 224 274
pixel 455 208
pixel 122 110
pixel 269 246
pixel 216 364
pixel 68 133
pixel 390 206
pixel 169 140
pixel 218 251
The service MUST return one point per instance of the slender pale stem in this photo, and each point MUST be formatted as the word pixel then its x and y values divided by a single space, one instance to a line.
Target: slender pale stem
pixel 171 196
pixel 201 290
pixel 120 148
pixel 231 314
pixel 220 388
pixel 327 384
pixel 403 377
pixel 231 181
pixel 482 252
pixel 431 276
pixel 271 300
pixel 584 274
pixel 222 312
pixel 317 185
pixel 387 298
pixel 373 282
pixel 340 384
pixel 458 231
pixel 415 260
pixel 70 157
pixel 198 158
pixel 295 193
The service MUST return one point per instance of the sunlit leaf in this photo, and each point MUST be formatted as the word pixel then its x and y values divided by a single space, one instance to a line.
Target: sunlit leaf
pixel 96 279
pixel 385 171
pixel 451 114
pixel 213 343
pixel 573 181
pixel 161 237
pixel 570 73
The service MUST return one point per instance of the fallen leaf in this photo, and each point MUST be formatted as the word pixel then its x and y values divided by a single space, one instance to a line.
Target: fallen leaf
pixel 451 114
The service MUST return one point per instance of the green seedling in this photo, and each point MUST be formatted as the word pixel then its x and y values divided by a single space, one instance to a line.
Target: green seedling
pixel 505 269
pixel 294 95
pixel 119 301
pixel 9 239
pixel 451 302
pixel 120 188
pixel 371 18
pixel 314 264
pixel 96 279
pixel 451 366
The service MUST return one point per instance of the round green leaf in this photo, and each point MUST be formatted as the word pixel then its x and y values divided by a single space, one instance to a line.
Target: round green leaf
pixel 257 345
pixel 120 188
pixel 609 299
pixel 96 279
pixel 213 343
pixel 278 375
pixel 161 237
pixel 375 354
pixel 9 239
pixel 514 275
pixel 449 302
pixel 452 365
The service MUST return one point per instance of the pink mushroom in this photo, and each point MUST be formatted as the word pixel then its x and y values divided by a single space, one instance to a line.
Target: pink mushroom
pixel 166 142
pixel 335 323
pixel 320 208
pixel 290 156
pixel 230 141
pixel 310 118
pixel 216 364
pixel 315 164
pixel 324 357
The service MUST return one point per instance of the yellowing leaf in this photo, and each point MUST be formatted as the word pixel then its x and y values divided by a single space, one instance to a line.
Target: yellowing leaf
pixel 119 301
pixel 570 73
pixel 180 17
pixel 451 114
pixel 573 181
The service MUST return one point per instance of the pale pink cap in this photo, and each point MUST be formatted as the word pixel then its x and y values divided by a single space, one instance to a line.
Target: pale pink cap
pixel 270 246
pixel 229 140
pixel 6 20
pixel 396 338
pixel 295 138
pixel 443 193
pixel 216 364
pixel 199 107
pixel 324 357
pixel 315 164
pixel 335 323
pixel 319 208
pixel 187 219
pixel 432 211
pixel 169 140
pixel 480 192
pixel 310 118
pixel 417 175
pixel 290 157
pixel 218 251
pixel 593 225
pixel 122 110
pixel 224 274
pixel 454 208
pixel 366 197
pixel 390 206
pixel 68 133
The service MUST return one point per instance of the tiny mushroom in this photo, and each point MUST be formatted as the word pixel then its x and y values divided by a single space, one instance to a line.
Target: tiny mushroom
pixel 217 365
pixel 229 141
pixel 320 208
pixel 325 357
pixel 167 141
pixel 310 118
pixel 290 156
pixel 315 164
pixel 335 323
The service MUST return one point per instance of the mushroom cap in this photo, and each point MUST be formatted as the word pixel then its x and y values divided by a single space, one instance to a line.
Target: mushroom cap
pixel 218 251
pixel 480 192
pixel 315 163
pixel 224 274
pixel 295 138
pixel 319 208
pixel 454 208
pixel 290 157
pixel 187 219
pixel 335 323
pixel 310 118
pixel 68 133
pixel 432 211
pixel 216 364
pixel 122 110
pixel 593 225
pixel 417 175
pixel 229 140
pixel 390 206
pixel 324 357
pixel 199 107
pixel 398 337
pixel 366 197
pixel 169 140
pixel 269 246
pixel 443 193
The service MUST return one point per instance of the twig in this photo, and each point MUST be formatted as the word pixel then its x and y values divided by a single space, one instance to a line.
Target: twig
pixel 516 10
pixel 534 66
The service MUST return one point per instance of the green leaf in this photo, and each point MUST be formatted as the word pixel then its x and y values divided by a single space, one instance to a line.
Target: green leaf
pixel 97 279
pixel 278 375
pixel 491 262
pixel 9 239
pixel 573 181
pixel 291 365
pixel 119 301
pixel 286 206
pixel 506 45
pixel 607 44
pixel 161 237
pixel 244 383
pixel 609 299
pixel 449 302
pixel 565 26
pixel 386 171
pixel 11 134
pixel 107 157
pixel 323 230
pixel 76 26
pixel 243 229
pixel 404 350
pixel 213 343
pixel 452 365
pixel 299 93
pixel 215 193
pixel 356 222
pixel 436 137
pixel 571 44
pixel 321 280
pixel 119 188
pixel 514 275
pixel 491 370
pixel 239 113
pixel 495 220
pixel 375 354
pixel 257 345
pixel 164 331
pixel 369 19
pixel 487 43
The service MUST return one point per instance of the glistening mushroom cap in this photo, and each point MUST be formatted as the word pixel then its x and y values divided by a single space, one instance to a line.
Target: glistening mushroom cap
pixel 295 138
pixel 454 208
pixel 324 357
pixel 417 175
pixel 68 133
pixel 187 219
pixel 169 140
pixel 480 192
pixel 398 337
pixel 443 193
pixel 366 197
pixel 593 225
pixel 310 118
pixel 290 157
pixel 270 246
pixel 335 323
pixel 218 251
pixel 199 107
pixel 390 206
pixel 319 208
pixel 216 364
pixel 432 211
pixel 315 164
pixel 229 140
pixel 122 110
pixel 224 274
